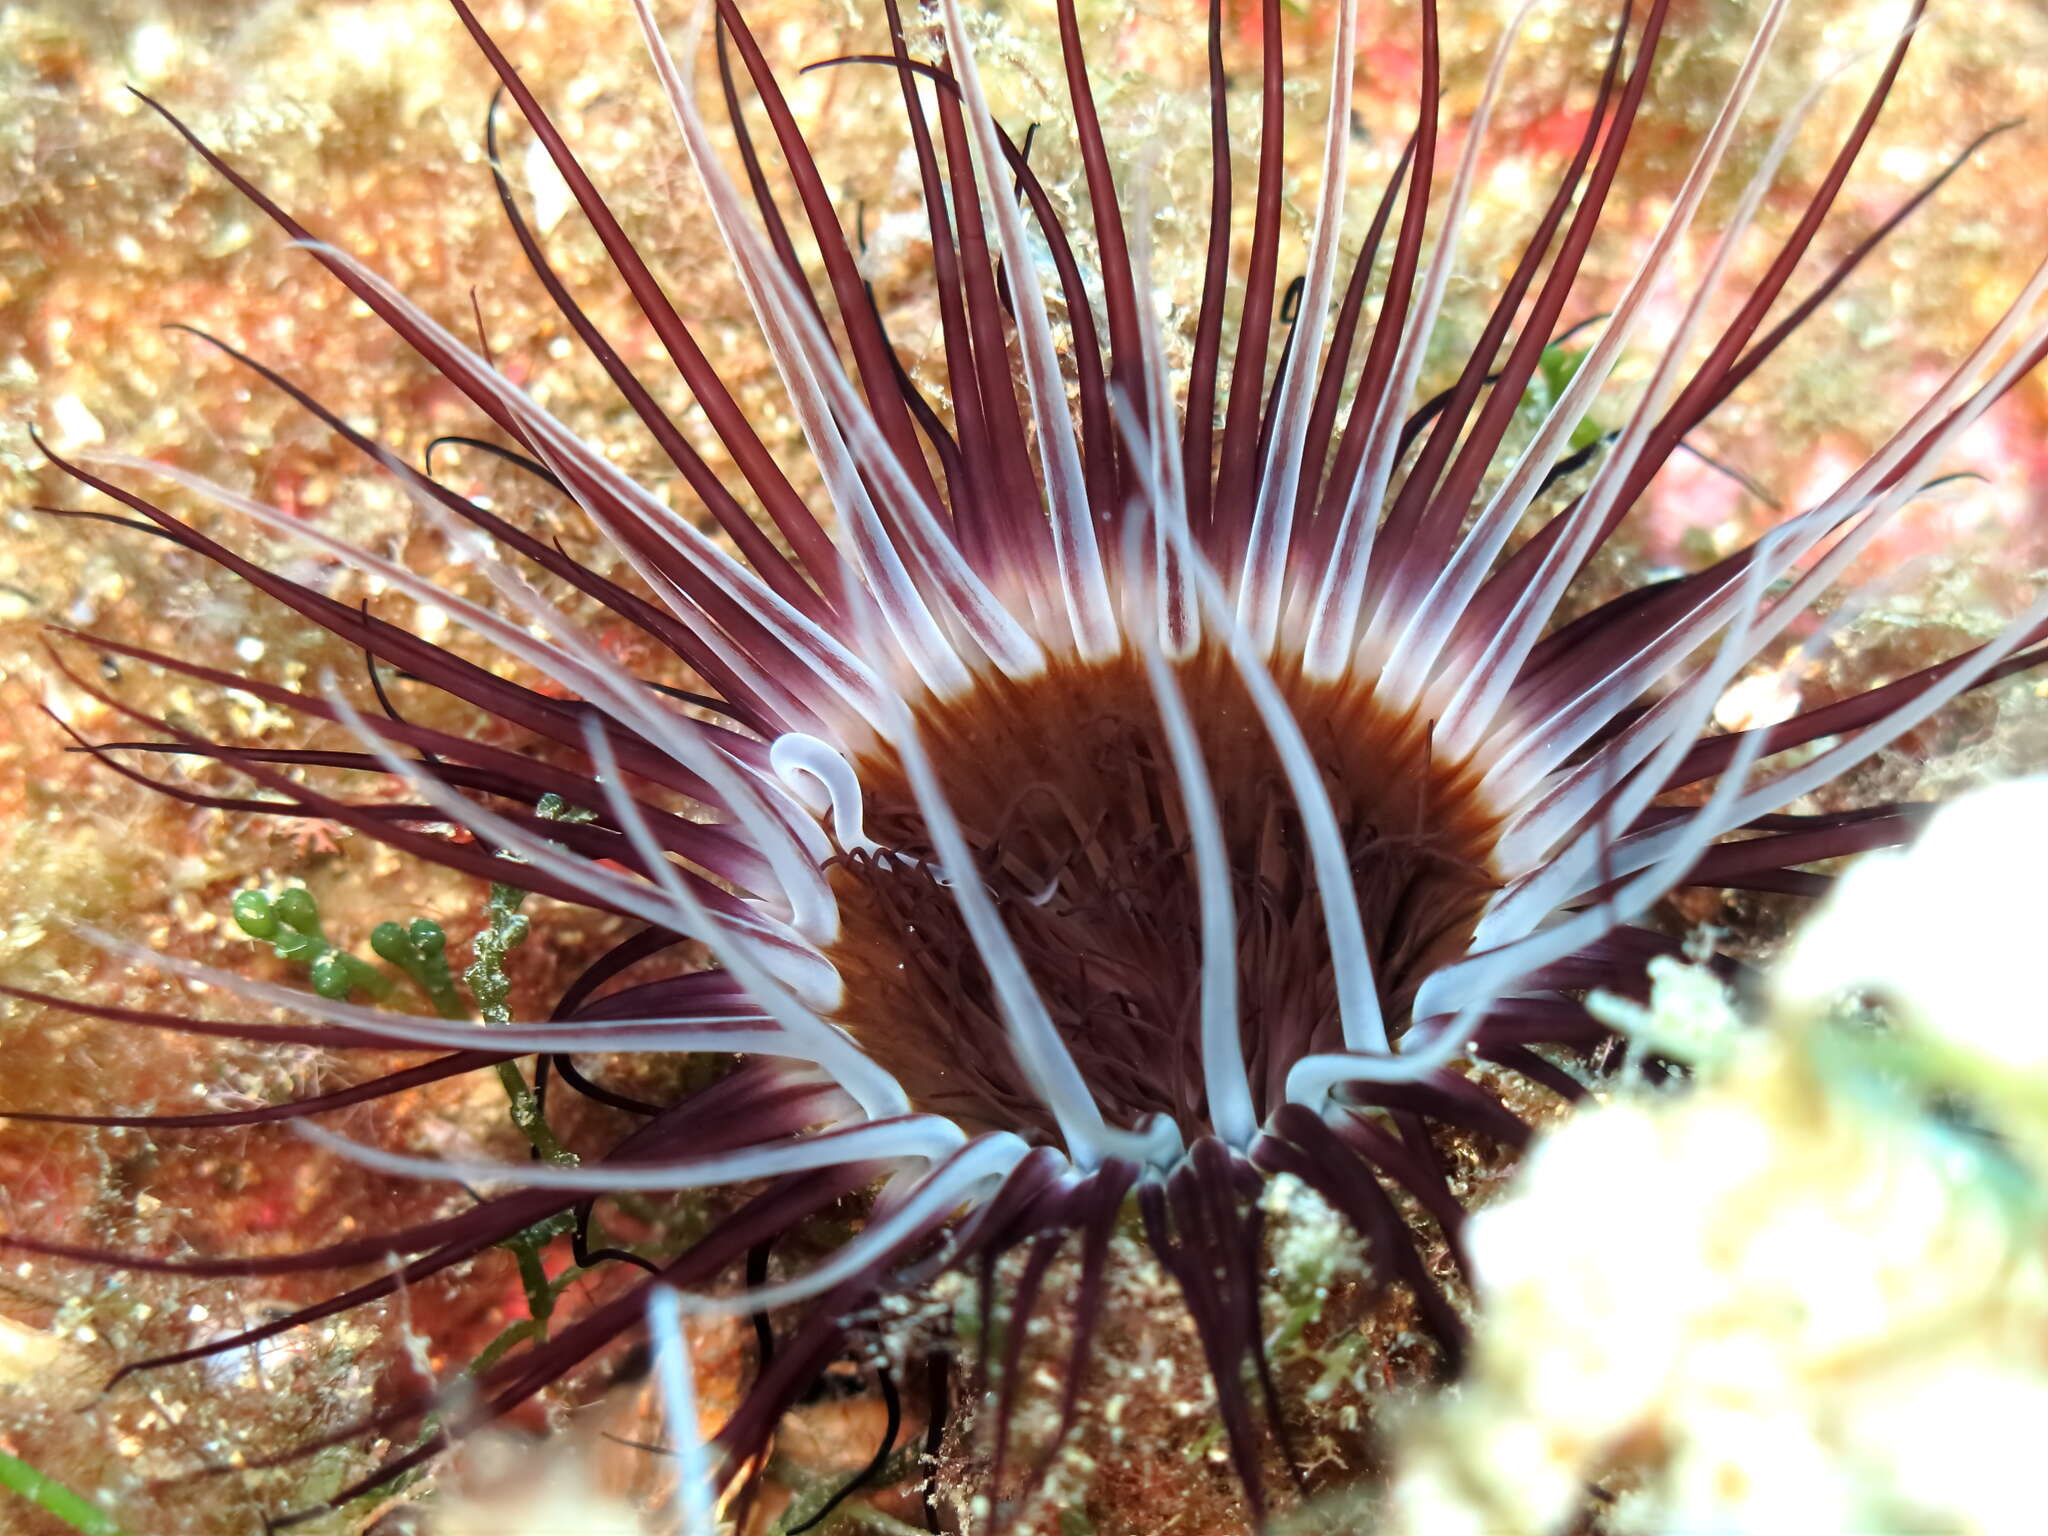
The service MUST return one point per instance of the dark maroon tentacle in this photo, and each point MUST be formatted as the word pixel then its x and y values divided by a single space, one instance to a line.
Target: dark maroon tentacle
pixel 698 587
pixel 1776 882
pixel 558 720
pixel 1238 468
pixel 507 1218
pixel 1519 1058
pixel 1383 351
pixel 1406 516
pixel 1098 467
pixel 565 1066
pixel 555 719
pixel 381 1087
pixel 592 840
pixel 525 463
pixel 1768 863
pixel 1290 316
pixel 1099 441
pixel 1711 381
pixel 1738 372
pixel 1541 1021
pixel 1504 399
pixel 1119 287
pixel 699 992
pixel 1619 960
pixel 1322 418
pixel 295 757
pixel 1097 1223
pixel 736 1106
pixel 520 1376
pixel 1420 419
pixel 1179 1226
pixel 1727 863
pixel 952 467
pixel 1914 811
pixel 772 221
pixel 740 703
pixel 1039 1193
pixel 327 1037
pixel 725 1115
pixel 1593 626
pixel 614 963
pixel 530 1206
pixel 728 1113
pixel 424 1268
pixel 752 457
pixel 475 858
pixel 1559 665
pixel 1670 429
pixel 869 347
pixel 755 547
pixel 1595 645
pixel 1787 821
pixel 1023 1309
pixel 1413 1172
pixel 236 804
pixel 1299 1143
pixel 1016 524
pixel 1713 755
pixel 1198 432
pixel 1232 1187
pixel 1852 713
pixel 691 840
pixel 814 1344
pixel 435 746
pixel 963 384
pixel 1447 1097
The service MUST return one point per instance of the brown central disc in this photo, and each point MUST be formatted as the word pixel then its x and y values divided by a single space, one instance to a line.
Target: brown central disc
pixel 1066 792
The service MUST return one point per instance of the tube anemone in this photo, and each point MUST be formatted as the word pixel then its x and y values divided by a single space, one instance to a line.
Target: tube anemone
pixel 1122 784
